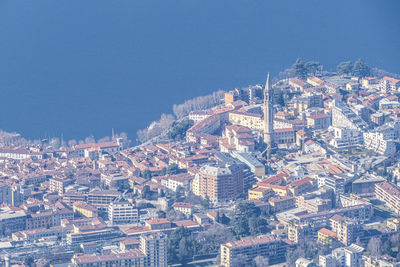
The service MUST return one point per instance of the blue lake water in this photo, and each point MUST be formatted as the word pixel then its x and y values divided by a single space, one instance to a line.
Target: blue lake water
pixel 82 67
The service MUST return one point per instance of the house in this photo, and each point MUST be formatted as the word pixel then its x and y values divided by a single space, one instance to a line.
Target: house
pixel 185 208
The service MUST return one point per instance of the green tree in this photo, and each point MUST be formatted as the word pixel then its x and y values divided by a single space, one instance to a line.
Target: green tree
pixel 205 202
pixel 179 194
pixel 146 193
pixel 299 69
pixel 147 174
pixel 387 248
pixel 173 169
pixel 247 221
pixel 186 249
pixel 312 67
pixel 181 245
pixel 29 261
pixel 344 68
pixel 257 226
pixel 361 69
pixel 178 130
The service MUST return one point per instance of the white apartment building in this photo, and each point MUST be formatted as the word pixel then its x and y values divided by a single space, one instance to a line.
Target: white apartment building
pixel 380 142
pixel 199 115
pixel 344 117
pixel 350 256
pixel 344 138
pixel 121 211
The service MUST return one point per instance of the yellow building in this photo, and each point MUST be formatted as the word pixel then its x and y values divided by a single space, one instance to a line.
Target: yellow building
pixel 259 193
pixel 301 106
pixel 85 209
pixel 393 224
pixel 195 185
pixel 326 236
pixel 250 120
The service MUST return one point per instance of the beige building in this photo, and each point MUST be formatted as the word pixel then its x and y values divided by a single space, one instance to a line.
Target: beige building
pixel 249 120
pixel 345 228
pixel 390 194
pixel 185 208
pixel 264 245
pixel 151 253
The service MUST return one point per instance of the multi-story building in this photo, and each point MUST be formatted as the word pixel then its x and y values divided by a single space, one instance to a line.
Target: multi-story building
pixel 298 84
pixel 365 185
pixel 58 184
pixel 336 183
pixel 44 219
pixel 154 246
pixel 208 126
pixel 378 118
pixel 221 182
pixel 84 209
pixel 373 261
pixel 330 260
pixel 82 149
pixel 350 256
pixel 115 181
pixel 279 204
pixel 344 117
pixel 199 115
pixel 253 121
pixel 12 219
pixel 388 104
pixel 390 194
pixel 19 153
pixel 346 229
pixel 319 121
pixel 326 236
pixel 121 211
pixel 353 255
pixel 369 82
pixel 302 186
pixel 252 162
pixel 315 81
pixel 102 198
pixel 237 138
pixel 172 182
pixel 260 193
pixel 389 84
pixel 284 136
pixel 313 204
pixel 380 142
pixel 352 86
pixel 251 247
pixel 308 100
pixel 92 235
pixel 72 196
pixel 344 138
pixel 133 257
pixel 185 208
pixel 5 193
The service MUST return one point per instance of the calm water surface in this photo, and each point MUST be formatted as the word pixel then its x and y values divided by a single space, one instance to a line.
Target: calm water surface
pixel 78 68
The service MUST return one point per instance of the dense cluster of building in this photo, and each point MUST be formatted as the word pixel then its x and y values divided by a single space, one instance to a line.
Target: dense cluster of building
pixel 321 163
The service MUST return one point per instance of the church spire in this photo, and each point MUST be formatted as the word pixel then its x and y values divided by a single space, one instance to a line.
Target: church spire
pixel 268 114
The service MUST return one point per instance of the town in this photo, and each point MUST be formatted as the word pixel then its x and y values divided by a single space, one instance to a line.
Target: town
pixel 300 171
